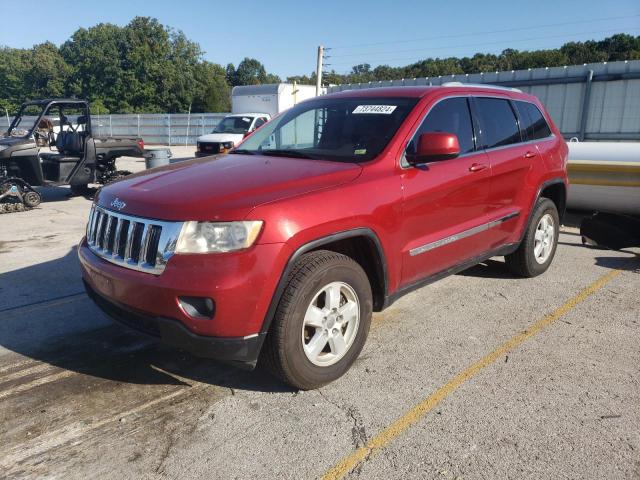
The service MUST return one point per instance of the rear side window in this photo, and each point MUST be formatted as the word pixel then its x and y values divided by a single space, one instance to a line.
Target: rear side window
pixel 499 124
pixel 451 115
pixel 259 122
pixel 532 121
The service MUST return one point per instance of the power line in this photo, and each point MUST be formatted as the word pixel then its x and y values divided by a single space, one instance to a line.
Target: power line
pixel 518 29
pixel 453 47
pixel 475 43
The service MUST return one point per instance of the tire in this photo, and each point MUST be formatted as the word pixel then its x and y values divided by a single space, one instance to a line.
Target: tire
pixel 304 319
pixel 31 199
pixel 536 251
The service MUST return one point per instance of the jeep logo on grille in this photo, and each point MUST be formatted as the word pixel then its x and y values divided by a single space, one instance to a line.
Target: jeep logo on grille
pixel 118 204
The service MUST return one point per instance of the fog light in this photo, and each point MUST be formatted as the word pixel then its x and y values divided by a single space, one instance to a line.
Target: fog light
pixel 198 307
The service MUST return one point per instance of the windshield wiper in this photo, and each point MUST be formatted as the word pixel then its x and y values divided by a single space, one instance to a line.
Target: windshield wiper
pixel 243 151
pixel 286 153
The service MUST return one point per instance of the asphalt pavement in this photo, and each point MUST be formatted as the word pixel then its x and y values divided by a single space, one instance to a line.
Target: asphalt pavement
pixel 480 375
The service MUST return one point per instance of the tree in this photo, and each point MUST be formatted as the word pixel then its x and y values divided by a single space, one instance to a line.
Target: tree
pixel 95 56
pixel 14 64
pixel 250 72
pixel 213 92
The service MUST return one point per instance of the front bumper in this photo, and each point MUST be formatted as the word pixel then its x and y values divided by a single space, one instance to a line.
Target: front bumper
pixel 241 352
pixel 240 284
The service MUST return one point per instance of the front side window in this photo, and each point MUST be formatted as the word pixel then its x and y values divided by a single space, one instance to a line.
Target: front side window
pixel 499 124
pixel 341 129
pixel 532 121
pixel 451 115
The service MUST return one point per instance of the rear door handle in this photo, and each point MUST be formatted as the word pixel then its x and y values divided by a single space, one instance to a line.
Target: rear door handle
pixel 476 167
pixel 530 154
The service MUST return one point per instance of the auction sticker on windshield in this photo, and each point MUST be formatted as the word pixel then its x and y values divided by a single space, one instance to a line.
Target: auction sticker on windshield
pixel 380 109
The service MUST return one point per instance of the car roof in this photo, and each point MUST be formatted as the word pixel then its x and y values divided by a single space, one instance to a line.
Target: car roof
pixel 421 91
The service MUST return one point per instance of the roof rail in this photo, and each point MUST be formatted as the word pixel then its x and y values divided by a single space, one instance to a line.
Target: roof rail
pixel 479 85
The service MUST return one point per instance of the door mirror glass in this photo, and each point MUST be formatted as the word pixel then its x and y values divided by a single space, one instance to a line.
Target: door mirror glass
pixel 433 147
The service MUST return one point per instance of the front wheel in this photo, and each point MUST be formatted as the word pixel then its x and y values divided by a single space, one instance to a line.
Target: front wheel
pixel 322 321
pixel 538 247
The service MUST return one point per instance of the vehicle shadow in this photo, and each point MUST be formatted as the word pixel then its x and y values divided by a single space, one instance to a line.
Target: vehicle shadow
pixel 62 327
pixel 573 218
pixel 489 269
pixel 628 263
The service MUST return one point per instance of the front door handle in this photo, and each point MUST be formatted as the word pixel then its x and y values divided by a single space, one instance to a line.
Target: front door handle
pixel 530 154
pixel 476 167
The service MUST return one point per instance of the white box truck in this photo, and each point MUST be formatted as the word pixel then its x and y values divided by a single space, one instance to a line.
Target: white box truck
pixel 271 99
pixel 251 107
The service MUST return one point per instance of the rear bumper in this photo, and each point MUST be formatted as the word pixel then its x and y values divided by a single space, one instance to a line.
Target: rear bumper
pixel 239 351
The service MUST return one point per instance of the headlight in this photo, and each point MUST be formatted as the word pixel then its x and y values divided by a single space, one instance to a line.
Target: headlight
pixel 208 237
pixel 3 147
pixel 227 145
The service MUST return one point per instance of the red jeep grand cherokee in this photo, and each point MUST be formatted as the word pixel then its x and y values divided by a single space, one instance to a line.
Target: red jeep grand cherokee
pixel 332 210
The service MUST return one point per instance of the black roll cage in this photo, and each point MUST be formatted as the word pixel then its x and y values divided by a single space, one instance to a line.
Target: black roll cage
pixel 46 105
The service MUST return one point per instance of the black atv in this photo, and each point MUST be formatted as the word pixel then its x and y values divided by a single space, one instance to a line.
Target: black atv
pixel 49 142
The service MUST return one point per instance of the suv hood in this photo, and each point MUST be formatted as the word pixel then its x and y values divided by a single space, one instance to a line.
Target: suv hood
pixel 221 137
pixel 223 188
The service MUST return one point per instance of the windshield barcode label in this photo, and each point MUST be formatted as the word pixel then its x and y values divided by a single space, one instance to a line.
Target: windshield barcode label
pixel 380 109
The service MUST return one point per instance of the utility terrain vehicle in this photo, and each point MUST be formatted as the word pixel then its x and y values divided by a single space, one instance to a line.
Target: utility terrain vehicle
pixel 50 142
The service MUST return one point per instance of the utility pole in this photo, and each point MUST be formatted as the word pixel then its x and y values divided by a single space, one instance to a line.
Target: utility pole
pixel 319 70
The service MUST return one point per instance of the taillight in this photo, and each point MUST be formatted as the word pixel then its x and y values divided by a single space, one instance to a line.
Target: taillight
pixel 141 144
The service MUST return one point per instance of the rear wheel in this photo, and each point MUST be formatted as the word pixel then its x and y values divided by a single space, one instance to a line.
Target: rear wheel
pixel 322 321
pixel 538 247
pixel 31 199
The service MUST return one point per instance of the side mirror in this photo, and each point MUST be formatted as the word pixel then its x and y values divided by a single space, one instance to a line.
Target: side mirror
pixel 434 146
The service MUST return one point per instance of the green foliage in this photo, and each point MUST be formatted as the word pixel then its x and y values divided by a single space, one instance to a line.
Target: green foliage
pixel 141 67
pixel 249 72
pixel 213 93
pixel 148 67
pixel 38 72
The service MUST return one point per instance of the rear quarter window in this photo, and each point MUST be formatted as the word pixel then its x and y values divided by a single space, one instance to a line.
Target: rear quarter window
pixel 498 122
pixel 532 121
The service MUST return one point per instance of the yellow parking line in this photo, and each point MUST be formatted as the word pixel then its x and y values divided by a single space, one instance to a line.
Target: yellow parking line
pixel 381 440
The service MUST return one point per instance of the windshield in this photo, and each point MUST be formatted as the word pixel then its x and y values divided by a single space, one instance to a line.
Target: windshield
pixel 341 129
pixel 24 121
pixel 239 125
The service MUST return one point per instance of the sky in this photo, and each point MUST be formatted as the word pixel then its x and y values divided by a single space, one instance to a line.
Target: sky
pixel 284 35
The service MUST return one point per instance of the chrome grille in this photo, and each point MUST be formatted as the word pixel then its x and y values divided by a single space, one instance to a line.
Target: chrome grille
pixel 133 242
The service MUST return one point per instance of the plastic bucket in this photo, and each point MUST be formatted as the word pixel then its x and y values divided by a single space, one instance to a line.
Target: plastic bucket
pixel 157 157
